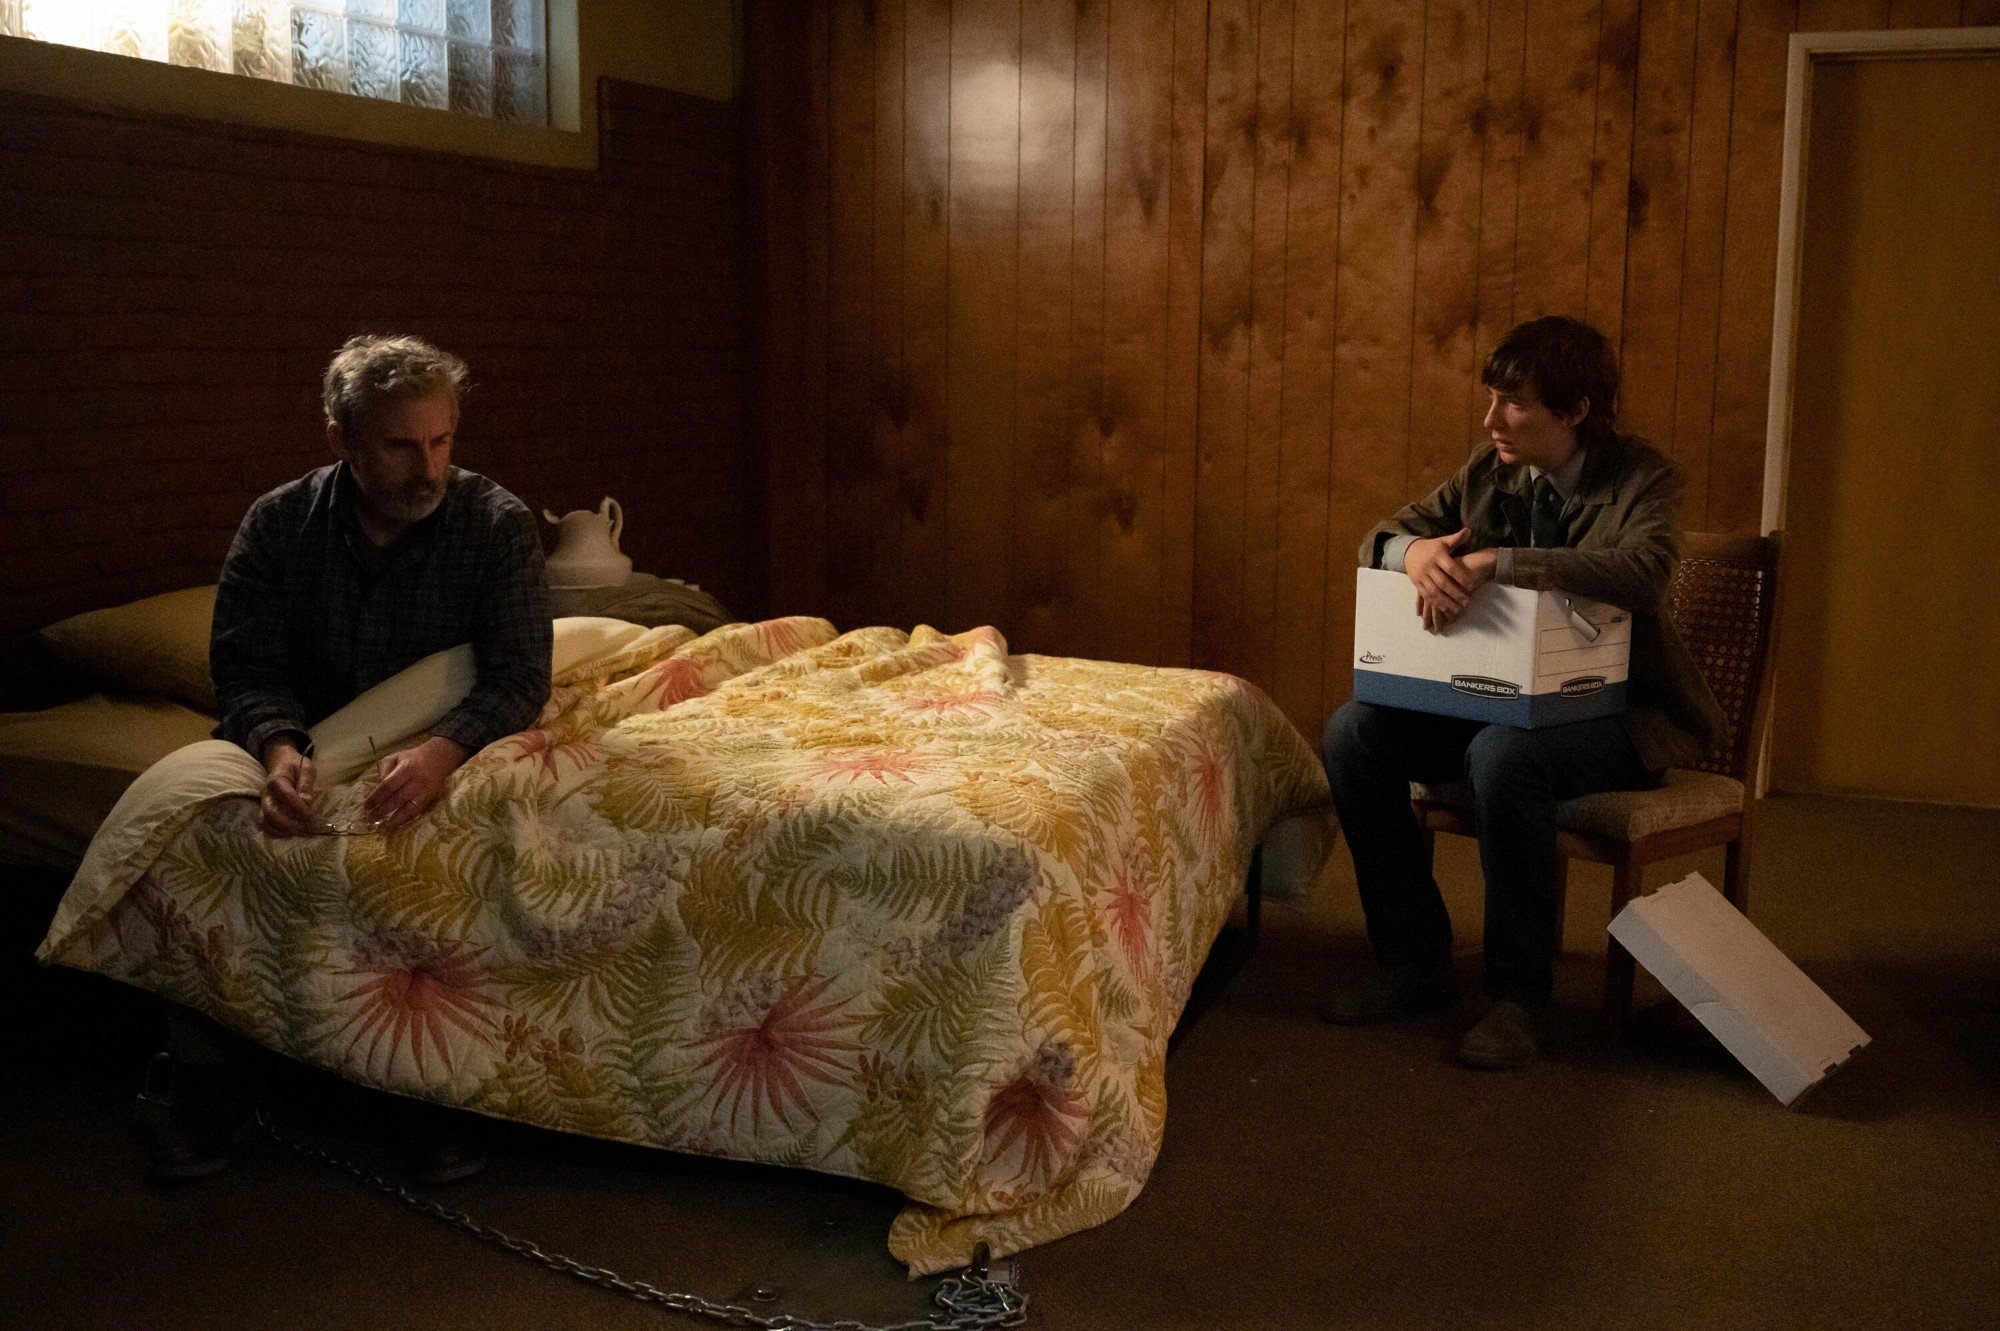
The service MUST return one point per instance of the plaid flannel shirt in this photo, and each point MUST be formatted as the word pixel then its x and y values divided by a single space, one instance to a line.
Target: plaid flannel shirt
pixel 310 613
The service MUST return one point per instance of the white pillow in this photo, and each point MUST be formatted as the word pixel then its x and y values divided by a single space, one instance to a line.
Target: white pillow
pixel 581 639
pixel 391 714
pixel 417 697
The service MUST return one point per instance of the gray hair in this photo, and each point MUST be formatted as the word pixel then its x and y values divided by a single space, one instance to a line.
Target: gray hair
pixel 371 369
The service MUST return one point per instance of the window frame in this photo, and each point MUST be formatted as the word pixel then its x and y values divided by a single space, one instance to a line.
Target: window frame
pixel 77 74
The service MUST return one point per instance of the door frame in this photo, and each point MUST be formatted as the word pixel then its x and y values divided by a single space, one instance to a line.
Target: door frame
pixel 1807 51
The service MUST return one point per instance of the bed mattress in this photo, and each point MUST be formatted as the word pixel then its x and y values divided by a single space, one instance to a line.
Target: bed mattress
pixel 62 768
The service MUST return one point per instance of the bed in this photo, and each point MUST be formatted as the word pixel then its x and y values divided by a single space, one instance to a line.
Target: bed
pixel 904 907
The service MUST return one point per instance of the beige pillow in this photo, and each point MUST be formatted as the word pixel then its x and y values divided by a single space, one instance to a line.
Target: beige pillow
pixel 157 646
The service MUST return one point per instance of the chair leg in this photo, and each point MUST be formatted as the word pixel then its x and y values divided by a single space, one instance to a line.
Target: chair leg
pixel 1618 964
pixel 1736 871
pixel 1562 903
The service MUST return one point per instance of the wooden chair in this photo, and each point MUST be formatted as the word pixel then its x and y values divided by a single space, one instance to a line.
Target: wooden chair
pixel 1722 600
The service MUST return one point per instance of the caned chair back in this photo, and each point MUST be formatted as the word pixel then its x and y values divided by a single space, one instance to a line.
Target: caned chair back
pixel 1723 601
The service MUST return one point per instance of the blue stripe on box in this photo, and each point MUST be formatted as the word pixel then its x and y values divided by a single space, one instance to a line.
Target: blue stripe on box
pixel 1528 711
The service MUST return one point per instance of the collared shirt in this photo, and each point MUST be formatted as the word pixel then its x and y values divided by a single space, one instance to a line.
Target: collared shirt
pixel 310 613
pixel 1564 478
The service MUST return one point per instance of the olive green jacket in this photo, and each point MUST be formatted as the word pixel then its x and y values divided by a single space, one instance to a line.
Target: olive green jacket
pixel 1624 545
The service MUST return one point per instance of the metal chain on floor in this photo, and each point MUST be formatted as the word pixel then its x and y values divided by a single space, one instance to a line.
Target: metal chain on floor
pixel 969 1301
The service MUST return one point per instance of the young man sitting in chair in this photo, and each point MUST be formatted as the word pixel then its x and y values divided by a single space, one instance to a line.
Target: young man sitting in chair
pixel 1555 498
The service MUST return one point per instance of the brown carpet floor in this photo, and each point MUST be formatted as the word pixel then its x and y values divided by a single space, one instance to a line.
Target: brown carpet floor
pixel 1312 1177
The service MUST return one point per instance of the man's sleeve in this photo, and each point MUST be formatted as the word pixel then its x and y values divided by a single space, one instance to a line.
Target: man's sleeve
pixel 249 654
pixel 1633 572
pixel 1436 514
pixel 511 642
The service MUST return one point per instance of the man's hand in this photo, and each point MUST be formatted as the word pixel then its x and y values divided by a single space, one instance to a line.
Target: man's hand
pixel 286 806
pixel 1444 581
pixel 412 781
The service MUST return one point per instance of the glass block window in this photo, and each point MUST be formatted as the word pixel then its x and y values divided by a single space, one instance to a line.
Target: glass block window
pixel 480 57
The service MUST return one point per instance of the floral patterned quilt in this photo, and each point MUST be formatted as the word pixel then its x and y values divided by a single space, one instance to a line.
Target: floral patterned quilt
pixel 896 906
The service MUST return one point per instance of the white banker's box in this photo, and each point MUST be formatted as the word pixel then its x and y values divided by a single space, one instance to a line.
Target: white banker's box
pixel 1763 1009
pixel 1519 657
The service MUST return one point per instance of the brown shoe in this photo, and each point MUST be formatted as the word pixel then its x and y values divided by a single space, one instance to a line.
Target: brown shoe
pixel 1504 1038
pixel 1396 991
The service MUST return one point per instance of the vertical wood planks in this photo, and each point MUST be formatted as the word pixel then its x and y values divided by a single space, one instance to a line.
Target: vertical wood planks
pixel 1658 218
pixel 1924 13
pixel 1503 130
pixel 875 554
pixel 787 160
pixel 1447 241
pixel 1139 120
pixel 1115 322
pixel 1842 15
pixel 1268 260
pixel 1611 164
pixel 1749 269
pixel 1313 246
pixel 1228 223
pixel 1090 420
pixel 985 217
pixel 1180 442
pixel 1701 254
pixel 1042 596
pixel 798 464
pixel 919 482
pixel 851 346
pixel 1559 121
pixel 1371 357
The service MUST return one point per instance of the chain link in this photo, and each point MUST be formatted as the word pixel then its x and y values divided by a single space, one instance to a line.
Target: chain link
pixel 970 1301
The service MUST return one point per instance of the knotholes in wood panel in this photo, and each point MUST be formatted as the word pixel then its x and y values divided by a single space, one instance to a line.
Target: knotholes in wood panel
pixel 1224 318
pixel 1618 44
pixel 1147 188
pixel 1531 123
pixel 1433 165
pixel 1385 57
pixel 1123 507
pixel 913 492
pixel 1637 199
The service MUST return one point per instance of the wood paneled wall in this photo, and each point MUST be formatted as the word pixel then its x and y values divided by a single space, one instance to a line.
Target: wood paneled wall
pixel 171 289
pixel 1115 323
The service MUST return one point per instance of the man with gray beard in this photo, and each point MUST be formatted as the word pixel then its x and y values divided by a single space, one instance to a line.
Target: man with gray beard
pixel 335 582
pixel 342 578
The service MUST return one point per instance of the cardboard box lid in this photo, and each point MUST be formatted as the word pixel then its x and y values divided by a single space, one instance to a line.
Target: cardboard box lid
pixel 1764 1010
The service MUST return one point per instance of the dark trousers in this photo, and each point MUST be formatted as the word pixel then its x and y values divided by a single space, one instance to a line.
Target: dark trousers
pixel 1518 777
